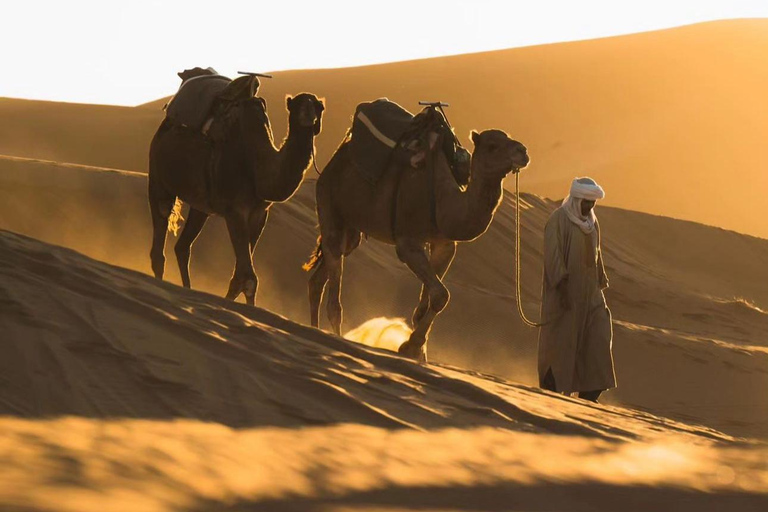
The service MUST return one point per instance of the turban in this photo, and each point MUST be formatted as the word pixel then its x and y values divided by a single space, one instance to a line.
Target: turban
pixel 582 189
pixel 586 188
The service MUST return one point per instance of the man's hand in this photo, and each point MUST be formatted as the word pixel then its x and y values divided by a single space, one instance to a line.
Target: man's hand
pixel 562 291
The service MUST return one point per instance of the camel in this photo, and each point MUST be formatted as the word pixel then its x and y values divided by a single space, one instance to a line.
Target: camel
pixel 422 212
pixel 238 176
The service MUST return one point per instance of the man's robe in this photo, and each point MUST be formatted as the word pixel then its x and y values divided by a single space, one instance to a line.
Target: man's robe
pixel 576 345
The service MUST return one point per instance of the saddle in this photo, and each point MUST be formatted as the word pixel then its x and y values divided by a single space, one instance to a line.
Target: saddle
pixel 201 94
pixel 383 130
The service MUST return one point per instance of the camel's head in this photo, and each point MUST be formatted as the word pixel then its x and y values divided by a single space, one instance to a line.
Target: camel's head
pixel 497 154
pixel 306 110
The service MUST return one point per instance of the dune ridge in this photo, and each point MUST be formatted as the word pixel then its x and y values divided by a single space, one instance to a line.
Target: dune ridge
pixel 115 342
pixel 666 120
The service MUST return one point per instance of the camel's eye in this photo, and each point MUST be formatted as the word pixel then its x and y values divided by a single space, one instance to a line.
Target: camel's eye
pixel 492 147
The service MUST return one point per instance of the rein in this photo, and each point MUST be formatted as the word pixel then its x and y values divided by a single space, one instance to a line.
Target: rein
pixel 314 160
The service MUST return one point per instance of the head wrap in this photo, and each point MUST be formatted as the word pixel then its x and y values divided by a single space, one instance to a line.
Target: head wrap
pixel 582 189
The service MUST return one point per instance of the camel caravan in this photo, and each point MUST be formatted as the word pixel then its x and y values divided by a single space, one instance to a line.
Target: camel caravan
pixel 399 178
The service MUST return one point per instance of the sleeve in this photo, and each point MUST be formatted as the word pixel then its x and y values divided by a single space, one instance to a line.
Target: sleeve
pixel 603 277
pixel 554 261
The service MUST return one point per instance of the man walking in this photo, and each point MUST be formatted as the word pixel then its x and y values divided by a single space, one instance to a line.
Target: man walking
pixel 575 342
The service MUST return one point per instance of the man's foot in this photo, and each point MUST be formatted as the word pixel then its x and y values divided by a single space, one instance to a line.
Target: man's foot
pixel 592 396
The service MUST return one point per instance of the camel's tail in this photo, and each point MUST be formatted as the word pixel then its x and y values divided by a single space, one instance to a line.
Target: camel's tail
pixel 175 218
pixel 317 256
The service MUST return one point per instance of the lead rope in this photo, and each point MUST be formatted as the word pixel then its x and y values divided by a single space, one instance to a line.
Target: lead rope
pixel 518 292
pixel 314 160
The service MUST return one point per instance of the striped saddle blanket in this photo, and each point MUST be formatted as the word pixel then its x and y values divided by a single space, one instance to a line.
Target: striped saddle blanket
pixel 376 130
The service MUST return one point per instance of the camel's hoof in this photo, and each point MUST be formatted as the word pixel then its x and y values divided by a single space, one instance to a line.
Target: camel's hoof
pixel 250 288
pixel 413 350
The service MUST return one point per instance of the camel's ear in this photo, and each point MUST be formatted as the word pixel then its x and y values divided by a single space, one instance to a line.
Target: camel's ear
pixel 474 136
pixel 288 100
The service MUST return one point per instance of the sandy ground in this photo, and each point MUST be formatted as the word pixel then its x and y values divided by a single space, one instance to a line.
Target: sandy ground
pixel 689 303
pixel 161 398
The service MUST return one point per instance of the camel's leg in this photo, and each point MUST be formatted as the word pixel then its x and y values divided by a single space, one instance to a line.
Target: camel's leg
pixel 256 222
pixel 316 287
pixel 334 262
pixel 327 223
pixel 334 253
pixel 243 278
pixel 414 255
pixel 441 256
pixel 160 205
pixel 192 228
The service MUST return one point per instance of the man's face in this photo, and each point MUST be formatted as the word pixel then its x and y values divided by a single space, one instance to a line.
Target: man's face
pixel 586 206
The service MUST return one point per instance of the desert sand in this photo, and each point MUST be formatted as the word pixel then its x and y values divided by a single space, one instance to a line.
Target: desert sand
pixel 121 391
pixel 689 301
pixel 128 393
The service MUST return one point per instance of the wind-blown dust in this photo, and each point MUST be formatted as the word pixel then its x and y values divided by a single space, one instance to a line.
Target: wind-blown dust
pixel 381 332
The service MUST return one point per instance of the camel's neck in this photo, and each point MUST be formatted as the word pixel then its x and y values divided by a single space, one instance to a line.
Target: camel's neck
pixel 278 172
pixel 294 157
pixel 464 216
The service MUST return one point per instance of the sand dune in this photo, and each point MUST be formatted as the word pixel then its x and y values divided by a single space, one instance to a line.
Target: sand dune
pixel 146 365
pixel 672 122
pixel 97 135
pixel 690 331
pixel 121 392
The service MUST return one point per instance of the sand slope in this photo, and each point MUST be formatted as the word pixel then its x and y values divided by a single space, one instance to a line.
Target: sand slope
pixel 98 135
pixel 662 119
pixel 691 332
pixel 322 422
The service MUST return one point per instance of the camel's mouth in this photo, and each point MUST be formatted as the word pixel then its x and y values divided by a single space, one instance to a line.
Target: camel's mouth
pixel 519 166
pixel 308 121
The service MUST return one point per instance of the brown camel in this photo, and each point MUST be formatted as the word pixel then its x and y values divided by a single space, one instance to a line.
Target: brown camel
pixel 238 176
pixel 422 213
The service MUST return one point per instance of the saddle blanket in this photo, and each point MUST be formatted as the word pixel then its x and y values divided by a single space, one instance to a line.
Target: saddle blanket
pixel 191 105
pixel 376 129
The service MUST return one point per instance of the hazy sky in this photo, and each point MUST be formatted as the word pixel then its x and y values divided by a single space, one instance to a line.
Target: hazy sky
pixel 128 52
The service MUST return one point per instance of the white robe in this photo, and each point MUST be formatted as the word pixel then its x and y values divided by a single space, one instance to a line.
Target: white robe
pixel 576 345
